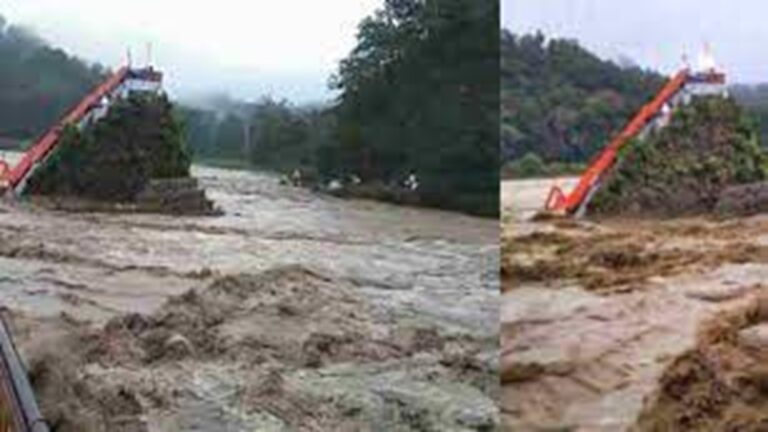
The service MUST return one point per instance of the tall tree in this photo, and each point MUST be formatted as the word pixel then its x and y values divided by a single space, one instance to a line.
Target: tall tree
pixel 38 83
pixel 419 93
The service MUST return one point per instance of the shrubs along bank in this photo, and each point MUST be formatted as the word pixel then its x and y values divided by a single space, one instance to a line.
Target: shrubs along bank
pixel 137 144
pixel 532 166
pixel 708 147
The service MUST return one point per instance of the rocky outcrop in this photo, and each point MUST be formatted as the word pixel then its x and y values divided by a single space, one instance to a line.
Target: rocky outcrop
pixel 682 169
pixel 743 200
pixel 175 195
pixel 133 157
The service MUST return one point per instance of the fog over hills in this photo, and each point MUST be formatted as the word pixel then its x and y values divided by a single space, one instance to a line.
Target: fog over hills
pixel 286 49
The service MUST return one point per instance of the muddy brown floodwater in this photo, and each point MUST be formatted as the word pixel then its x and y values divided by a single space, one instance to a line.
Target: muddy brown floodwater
pixel 293 311
pixel 641 325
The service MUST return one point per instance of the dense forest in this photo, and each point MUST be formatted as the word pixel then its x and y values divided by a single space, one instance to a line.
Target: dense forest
pixel 266 134
pixel 418 94
pixel 754 98
pixel 561 102
pixel 38 83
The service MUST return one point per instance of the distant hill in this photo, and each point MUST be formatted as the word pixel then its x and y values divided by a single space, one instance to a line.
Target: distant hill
pixel 38 82
pixel 562 102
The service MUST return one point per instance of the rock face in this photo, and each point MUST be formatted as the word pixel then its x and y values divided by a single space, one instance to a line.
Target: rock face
pixel 708 147
pixel 743 200
pixel 175 195
pixel 133 155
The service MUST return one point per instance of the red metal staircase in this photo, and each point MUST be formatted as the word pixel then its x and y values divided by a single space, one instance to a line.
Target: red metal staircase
pixel 15 176
pixel 559 202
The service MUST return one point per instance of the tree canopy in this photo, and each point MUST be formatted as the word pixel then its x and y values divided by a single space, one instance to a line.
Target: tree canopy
pixel 562 102
pixel 419 93
pixel 38 83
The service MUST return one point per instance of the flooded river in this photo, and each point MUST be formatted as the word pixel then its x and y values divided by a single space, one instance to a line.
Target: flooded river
pixel 397 308
pixel 620 324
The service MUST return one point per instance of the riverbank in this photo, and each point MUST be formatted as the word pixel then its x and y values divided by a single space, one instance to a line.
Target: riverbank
pixel 376 191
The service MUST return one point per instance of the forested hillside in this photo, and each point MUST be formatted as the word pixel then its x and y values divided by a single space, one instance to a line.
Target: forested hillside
pixel 418 94
pixel 267 134
pixel 38 83
pixel 561 102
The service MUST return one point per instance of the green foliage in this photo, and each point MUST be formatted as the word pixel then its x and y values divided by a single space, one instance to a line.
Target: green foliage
pixel 754 98
pixel 420 93
pixel 531 165
pixel 562 102
pixel 708 145
pixel 281 138
pixel 230 135
pixel 38 83
pixel 268 134
pixel 112 159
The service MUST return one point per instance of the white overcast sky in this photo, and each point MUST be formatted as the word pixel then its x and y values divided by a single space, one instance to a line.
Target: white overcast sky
pixel 655 33
pixel 248 48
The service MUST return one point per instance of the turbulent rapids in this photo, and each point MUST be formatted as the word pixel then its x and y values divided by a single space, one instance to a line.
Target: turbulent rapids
pixel 289 310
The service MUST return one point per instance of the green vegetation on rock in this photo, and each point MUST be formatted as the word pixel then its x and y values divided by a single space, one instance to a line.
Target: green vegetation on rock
pixel 113 159
pixel 708 146
pixel 419 93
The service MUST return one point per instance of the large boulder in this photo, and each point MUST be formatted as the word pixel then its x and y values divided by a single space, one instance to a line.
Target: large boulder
pixel 708 147
pixel 115 158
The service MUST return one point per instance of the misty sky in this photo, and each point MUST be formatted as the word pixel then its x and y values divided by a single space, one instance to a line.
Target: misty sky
pixel 287 48
pixel 656 33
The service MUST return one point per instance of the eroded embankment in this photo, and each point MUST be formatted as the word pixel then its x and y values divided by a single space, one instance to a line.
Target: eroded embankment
pixel 287 348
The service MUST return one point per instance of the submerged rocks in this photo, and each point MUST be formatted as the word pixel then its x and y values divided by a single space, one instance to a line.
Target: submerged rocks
pixel 708 147
pixel 175 195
